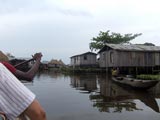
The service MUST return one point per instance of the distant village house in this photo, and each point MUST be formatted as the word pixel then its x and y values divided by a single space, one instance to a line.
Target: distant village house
pixel 55 63
pixel 88 59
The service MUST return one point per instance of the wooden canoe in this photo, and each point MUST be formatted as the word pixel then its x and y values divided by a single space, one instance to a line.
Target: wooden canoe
pixel 135 83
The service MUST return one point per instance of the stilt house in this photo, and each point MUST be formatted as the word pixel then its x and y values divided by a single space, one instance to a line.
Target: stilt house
pixel 129 56
pixel 88 59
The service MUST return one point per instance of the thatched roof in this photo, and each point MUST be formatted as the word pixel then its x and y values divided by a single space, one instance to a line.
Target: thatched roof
pixel 53 62
pixel 61 62
pixel 3 57
pixel 57 62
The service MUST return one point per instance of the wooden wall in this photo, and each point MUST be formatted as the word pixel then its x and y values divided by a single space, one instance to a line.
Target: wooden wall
pixel 114 58
pixel 87 59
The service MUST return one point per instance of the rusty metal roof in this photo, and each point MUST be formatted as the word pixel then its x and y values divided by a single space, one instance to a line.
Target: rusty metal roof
pixel 133 47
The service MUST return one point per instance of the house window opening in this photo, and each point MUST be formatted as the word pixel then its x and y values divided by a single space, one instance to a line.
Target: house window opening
pixel 111 57
pixel 85 57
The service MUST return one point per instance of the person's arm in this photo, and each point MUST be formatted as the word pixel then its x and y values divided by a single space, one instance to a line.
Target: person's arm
pixel 35 111
pixel 29 75
pixel 10 67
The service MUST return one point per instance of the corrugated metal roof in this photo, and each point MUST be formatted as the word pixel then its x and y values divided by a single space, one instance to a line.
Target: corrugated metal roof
pixel 133 47
pixel 84 54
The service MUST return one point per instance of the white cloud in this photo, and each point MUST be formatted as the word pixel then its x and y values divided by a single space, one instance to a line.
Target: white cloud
pixel 62 28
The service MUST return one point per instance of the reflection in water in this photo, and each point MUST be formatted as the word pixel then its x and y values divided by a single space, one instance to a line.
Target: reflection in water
pixel 86 84
pixel 52 74
pixel 62 97
pixel 111 97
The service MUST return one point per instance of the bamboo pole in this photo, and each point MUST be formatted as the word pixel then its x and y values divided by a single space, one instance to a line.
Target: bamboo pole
pixel 23 62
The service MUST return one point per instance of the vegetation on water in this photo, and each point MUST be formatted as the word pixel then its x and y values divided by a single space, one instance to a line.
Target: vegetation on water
pixel 71 70
pixel 148 77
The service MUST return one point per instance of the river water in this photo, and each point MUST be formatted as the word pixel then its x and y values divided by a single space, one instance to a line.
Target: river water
pixel 92 97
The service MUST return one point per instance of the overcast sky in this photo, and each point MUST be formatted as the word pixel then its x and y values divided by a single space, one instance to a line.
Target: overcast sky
pixel 63 28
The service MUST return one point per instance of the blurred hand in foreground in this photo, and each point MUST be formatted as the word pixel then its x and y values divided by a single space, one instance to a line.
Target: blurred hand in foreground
pixel 37 56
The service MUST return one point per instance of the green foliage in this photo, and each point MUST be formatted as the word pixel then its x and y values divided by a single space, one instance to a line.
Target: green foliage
pixel 70 70
pixel 148 77
pixel 149 44
pixel 114 38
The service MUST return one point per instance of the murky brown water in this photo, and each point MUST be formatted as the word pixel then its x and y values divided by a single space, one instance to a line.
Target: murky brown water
pixel 93 97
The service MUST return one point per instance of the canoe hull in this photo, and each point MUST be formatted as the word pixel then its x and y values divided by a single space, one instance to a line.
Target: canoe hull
pixel 135 83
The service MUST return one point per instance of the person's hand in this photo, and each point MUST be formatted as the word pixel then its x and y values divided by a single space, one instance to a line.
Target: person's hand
pixel 37 56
